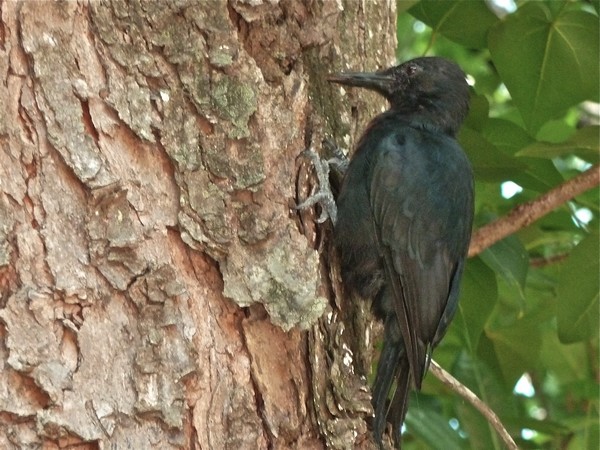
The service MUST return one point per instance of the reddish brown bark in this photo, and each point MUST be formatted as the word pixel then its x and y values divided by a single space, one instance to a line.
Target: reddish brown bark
pixel 157 289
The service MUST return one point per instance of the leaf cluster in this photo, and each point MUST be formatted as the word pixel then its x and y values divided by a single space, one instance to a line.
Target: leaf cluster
pixel 525 338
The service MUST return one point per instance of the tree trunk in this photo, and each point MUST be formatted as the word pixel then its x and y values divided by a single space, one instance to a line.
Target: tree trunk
pixel 158 290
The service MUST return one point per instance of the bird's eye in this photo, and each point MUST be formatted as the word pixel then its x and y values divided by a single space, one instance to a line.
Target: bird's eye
pixel 412 69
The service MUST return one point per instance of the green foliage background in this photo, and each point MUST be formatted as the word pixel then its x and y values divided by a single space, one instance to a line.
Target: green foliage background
pixel 529 304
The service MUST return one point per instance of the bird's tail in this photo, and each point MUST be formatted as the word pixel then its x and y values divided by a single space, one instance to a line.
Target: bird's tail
pixel 393 365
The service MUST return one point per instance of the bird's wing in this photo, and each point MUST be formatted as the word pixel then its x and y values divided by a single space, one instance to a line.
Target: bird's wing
pixel 411 223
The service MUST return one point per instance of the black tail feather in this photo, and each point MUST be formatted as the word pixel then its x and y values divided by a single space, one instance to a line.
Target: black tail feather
pixel 386 372
pixel 393 366
pixel 399 405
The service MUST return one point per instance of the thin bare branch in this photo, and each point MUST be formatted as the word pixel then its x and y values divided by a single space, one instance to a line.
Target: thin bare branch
pixel 529 212
pixel 541 262
pixel 468 395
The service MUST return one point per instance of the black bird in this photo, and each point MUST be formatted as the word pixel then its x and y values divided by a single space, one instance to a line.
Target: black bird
pixel 405 211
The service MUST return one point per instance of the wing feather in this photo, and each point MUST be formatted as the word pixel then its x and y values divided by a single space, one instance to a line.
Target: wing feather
pixel 420 257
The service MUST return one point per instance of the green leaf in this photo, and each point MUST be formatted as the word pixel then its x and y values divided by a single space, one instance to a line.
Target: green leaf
pixel 508 258
pixel 584 143
pixel 449 19
pixel 578 291
pixel 589 439
pixel 541 175
pixel 489 163
pixel 478 297
pixel 485 382
pixel 567 363
pixel 432 428
pixel 404 5
pixel 547 59
pixel 543 426
pixel 479 109
pixel 506 135
pixel 517 348
pixel 556 130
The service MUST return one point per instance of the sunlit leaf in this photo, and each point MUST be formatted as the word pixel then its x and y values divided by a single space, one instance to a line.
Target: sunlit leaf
pixel 449 19
pixel 547 59
pixel 585 143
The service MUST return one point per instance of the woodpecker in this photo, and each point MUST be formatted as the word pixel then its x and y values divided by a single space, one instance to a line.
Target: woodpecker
pixel 404 218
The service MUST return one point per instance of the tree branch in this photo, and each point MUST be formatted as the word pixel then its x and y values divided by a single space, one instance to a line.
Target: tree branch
pixel 541 262
pixel 468 395
pixel 529 212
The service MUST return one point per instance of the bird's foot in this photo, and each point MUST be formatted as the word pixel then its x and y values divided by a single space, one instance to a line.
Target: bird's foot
pixel 324 195
pixel 337 159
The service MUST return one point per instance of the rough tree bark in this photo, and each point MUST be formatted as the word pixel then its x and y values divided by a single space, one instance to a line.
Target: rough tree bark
pixel 157 290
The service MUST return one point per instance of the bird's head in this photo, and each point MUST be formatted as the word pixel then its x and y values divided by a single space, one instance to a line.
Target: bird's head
pixel 430 88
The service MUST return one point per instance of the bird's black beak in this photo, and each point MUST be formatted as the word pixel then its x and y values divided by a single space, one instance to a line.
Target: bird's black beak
pixel 375 81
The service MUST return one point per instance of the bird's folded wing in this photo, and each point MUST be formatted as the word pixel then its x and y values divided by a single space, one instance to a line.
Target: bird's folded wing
pixel 410 236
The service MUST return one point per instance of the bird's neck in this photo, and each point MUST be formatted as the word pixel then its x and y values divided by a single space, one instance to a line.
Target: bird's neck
pixel 430 116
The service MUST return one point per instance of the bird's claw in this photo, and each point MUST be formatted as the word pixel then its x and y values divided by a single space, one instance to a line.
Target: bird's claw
pixel 324 196
pixel 338 160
